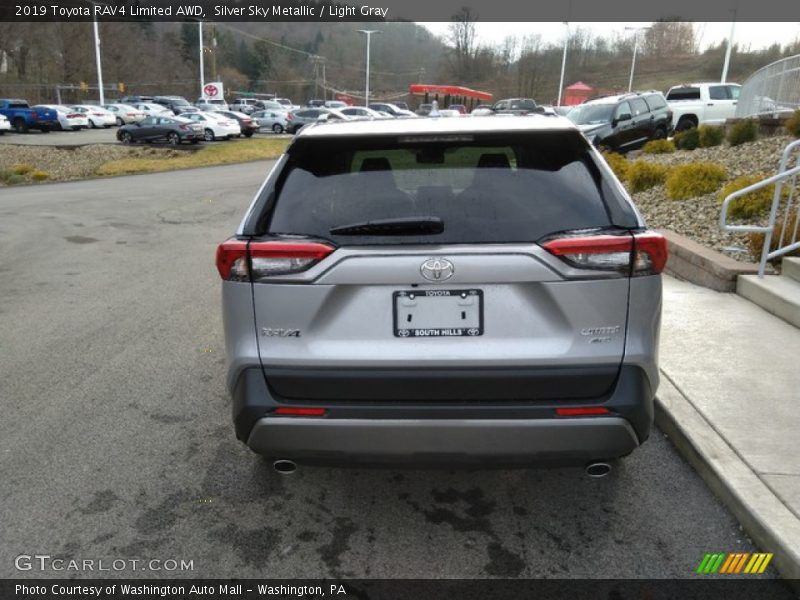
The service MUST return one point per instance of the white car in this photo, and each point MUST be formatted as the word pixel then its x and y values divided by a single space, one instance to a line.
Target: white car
pixel 364 113
pixel 96 115
pixel 274 120
pixel 698 104
pixel 68 118
pixel 5 125
pixel 211 104
pixel 125 113
pixel 151 109
pixel 215 126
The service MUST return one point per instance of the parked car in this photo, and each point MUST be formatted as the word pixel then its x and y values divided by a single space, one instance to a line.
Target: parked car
pixel 69 119
pixel 97 116
pixel 516 106
pixel 244 105
pixel 315 103
pixel 125 113
pixel 174 130
pixel 133 100
pixel 482 110
pixel 388 108
pixel 364 112
pixel 286 103
pixel 424 110
pixel 337 104
pixel 5 124
pixel 208 104
pixel 460 108
pixel 305 116
pixel 177 104
pixel 401 105
pixel 366 315
pixel 272 120
pixel 22 117
pixel 625 122
pixel 215 126
pixel 151 108
pixel 702 104
pixel 247 125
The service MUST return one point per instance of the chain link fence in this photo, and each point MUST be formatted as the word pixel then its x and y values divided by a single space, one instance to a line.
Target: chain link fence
pixel 773 90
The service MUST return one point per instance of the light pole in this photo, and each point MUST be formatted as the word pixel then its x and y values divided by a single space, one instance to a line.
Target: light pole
pixel 99 63
pixel 368 33
pixel 202 71
pixel 728 51
pixel 636 31
pixel 563 65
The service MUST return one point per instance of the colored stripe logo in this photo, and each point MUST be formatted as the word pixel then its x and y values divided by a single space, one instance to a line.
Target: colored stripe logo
pixel 734 563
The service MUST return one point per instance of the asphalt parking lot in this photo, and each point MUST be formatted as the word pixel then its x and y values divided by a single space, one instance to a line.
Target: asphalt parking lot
pixel 116 441
pixel 83 137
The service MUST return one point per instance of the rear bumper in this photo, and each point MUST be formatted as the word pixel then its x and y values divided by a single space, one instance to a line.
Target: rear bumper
pixel 429 430
pixel 443 440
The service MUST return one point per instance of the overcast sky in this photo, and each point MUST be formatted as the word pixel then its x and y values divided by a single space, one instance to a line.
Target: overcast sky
pixel 757 35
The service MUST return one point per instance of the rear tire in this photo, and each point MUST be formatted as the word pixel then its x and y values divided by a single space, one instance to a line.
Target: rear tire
pixel 92 124
pixel 20 126
pixel 277 128
pixel 659 134
pixel 248 134
pixel 174 139
pixel 45 130
pixel 126 138
pixel 685 123
pixel 120 122
pixel 209 136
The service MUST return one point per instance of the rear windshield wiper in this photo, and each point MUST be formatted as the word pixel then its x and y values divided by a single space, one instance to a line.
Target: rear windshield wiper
pixel 403 226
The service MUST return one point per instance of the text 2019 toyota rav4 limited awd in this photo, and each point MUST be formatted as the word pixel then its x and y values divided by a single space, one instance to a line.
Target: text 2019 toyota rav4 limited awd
pixel 478 290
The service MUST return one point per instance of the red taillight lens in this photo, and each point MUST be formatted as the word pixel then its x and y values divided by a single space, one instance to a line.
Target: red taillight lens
pixel 34 115
pixel 584 411
pixel 641 253
pixel 232 260
pixel 185 127
pixel 74 116
pixel 605 252
pixel 289 117
pixel 288 411
pixel 267 259
pixel 651 253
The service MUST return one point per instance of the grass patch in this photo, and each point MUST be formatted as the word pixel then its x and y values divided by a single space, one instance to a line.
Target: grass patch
pixel 220 153
pixel 743 132
pixel 643 175
pixel 659 147
pixel 710 135
pixel 694 179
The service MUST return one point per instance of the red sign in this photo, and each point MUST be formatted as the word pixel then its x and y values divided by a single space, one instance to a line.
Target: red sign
pixel 211 90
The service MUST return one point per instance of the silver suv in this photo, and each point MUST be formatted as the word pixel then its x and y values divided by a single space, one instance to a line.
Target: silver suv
pixel 475 289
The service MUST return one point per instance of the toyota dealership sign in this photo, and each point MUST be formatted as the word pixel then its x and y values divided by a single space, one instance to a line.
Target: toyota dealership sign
pixel 213 91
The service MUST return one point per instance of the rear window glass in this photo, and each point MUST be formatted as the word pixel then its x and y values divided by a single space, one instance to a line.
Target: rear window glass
pixel 655 101
pixel 684 93
pixel 498 188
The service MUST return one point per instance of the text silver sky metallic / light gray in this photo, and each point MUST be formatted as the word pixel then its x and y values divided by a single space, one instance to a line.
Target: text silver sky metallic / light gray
pixel 476 290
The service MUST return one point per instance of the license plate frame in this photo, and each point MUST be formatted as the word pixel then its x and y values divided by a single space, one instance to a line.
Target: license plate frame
pixel 463 295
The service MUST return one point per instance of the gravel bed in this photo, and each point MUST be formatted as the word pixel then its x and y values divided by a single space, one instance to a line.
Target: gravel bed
pixel 63 163
pixel 698 218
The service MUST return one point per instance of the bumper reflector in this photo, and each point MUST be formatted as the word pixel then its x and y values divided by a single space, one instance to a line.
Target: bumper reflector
pixel 582 411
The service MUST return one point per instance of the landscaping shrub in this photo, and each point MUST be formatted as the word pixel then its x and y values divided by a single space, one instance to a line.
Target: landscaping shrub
pixel 618 163
pixel 696 179
pixel 755 241
pixel 754 203
pixel 687 140
pixel 659 147
pixel 22 169
pixel 793 124
pixel 4 175
pixel 743 132
pixel 710 135
pixel 643 175
pixel 40 175
pixel 15 179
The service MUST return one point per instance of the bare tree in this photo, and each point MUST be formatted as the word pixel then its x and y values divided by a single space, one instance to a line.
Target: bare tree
pixel 462 37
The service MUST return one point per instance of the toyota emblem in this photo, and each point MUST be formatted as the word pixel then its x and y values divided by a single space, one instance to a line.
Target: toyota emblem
pixel 437 269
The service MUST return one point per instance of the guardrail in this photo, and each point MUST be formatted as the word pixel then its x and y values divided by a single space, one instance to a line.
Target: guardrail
pixel 772 90
pixel 788 241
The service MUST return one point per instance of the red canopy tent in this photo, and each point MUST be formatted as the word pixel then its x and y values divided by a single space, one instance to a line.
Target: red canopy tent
pixel 577 93
pixel 449 94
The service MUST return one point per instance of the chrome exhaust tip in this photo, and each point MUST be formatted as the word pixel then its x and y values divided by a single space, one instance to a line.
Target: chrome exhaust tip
pixel 597 470
pixel 284 467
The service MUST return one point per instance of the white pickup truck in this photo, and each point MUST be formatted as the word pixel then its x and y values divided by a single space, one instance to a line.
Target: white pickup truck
pixel 702 104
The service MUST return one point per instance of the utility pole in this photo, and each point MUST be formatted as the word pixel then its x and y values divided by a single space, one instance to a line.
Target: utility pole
pixel 214 52
pixel 99 63
pixel 368 33
pixel 636 31
pixel 727 63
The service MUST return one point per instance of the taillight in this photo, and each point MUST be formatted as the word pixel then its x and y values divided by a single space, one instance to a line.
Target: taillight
pixel 74 116
pixel 34 115
pixel 639 254
pixel 289 117
pixel 185 127
pixel 267 259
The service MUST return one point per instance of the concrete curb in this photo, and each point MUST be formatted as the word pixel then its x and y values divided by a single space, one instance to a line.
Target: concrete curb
pixel 703 266
pixel 762 514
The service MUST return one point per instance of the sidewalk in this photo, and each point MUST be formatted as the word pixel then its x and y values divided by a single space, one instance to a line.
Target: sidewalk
pixel 730 401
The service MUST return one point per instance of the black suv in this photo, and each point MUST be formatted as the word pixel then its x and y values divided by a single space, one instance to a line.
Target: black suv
pixel 515 106
pixel 177 104
pixel 623 123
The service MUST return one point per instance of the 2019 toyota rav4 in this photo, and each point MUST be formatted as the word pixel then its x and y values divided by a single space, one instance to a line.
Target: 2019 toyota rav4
pixel 477 290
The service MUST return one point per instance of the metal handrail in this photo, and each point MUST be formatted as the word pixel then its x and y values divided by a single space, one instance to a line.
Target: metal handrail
pixel 777 180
